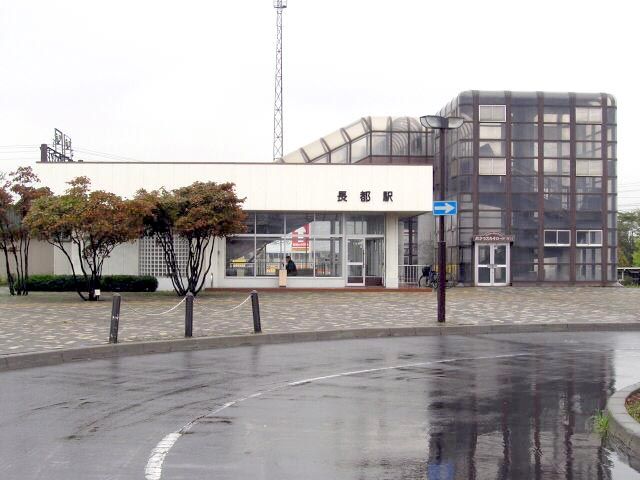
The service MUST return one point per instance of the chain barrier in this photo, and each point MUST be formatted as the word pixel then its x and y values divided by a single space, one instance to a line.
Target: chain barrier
pixel 128 308
pixel 188 318
pixel 196 304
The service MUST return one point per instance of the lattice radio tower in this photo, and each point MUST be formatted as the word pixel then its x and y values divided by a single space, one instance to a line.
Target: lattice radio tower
pixel 279 5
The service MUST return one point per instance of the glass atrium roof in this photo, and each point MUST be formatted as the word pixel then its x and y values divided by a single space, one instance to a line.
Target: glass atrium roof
pixel 366 137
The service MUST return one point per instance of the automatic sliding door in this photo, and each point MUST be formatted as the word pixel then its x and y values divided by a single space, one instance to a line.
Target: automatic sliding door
pixel 492 264
pixel 374 265
pixel 500 265
pixel 355 261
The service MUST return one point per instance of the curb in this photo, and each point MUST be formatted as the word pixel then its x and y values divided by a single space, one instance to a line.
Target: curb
pixel 56 357
pixel 624 428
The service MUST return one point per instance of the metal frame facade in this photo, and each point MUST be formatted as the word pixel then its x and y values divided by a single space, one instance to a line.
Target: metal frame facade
pixel 542 140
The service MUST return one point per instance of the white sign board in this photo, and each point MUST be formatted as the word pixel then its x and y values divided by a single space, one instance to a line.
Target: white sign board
pixel 267 186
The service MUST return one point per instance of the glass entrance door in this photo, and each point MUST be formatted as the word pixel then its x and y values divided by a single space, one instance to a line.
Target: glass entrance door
pixel 374 262
pixel 355 261
pixel 492 264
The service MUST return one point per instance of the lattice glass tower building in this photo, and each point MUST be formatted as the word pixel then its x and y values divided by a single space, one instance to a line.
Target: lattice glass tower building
pixel 538 169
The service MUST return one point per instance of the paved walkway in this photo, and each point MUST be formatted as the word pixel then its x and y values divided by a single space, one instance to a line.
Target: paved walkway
pixel 44 321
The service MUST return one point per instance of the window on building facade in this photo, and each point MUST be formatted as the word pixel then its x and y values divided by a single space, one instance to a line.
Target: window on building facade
pixel 556 166
pixel 524 114
pixel 492 132
pixel 524 131
pixel 380 143
pixel 492 166
pixel 488 148
pixel 589 184
pixel 556 149
pixel 365 225
pixel 524 149
pixel 151 256
pixel 556 132
pixel 557 238
pixel 493 113
pixel 588 133
pixel 524 184
pixel 327 257
pixel 589 168
pixel 588 238
pixel 340 155
pixel 588 115
pixel 588 150
pixel 417 143
pixel 556 184
pixel 586 203
pixel 556 114
pixel 314 242
pixel 524 166
pixel 359 149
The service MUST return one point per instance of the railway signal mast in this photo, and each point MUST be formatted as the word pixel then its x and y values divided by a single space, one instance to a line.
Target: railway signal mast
pixel 279 5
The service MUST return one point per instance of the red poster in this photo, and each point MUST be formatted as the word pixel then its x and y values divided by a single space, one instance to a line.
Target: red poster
pixel 300 238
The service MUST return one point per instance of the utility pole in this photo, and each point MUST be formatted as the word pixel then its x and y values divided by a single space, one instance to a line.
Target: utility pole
pixel 279 5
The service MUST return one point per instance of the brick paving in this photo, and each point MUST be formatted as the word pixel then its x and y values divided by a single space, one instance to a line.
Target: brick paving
pixel 44 321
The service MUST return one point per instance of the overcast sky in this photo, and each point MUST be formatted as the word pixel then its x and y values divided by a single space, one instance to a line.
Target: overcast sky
pixel 193 80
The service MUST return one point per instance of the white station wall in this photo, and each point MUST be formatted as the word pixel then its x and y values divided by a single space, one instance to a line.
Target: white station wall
pixel 266 186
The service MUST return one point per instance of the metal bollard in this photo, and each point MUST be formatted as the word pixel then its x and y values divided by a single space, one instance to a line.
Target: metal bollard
pixel 115 318
pixel 188 316
pixel 255 307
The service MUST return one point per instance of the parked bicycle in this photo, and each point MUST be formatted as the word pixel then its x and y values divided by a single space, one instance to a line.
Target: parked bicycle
pixel 431 278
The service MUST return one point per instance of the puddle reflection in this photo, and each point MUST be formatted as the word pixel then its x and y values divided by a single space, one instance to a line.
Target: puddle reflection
pixel 525 417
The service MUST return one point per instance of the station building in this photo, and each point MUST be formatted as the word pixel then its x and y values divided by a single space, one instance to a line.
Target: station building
pixel 534 175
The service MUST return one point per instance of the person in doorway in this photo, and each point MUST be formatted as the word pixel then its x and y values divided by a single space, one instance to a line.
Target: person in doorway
pixel 292 270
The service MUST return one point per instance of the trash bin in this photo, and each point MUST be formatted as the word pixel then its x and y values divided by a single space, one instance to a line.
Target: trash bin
pixel 282 277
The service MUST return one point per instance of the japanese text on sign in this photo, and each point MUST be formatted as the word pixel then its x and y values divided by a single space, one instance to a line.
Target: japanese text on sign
pixel 365 196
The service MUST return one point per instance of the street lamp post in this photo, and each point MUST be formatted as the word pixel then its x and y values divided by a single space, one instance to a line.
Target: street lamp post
pixel 442 124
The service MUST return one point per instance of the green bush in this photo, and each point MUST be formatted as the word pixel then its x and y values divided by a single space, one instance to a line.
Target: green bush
pixel 129 283
pixel 109 283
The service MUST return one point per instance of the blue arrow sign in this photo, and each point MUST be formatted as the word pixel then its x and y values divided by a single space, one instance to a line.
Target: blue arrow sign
pixel 446 207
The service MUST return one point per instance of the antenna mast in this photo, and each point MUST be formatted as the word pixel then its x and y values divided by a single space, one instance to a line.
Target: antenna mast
pixel 279 5
pixel 61 151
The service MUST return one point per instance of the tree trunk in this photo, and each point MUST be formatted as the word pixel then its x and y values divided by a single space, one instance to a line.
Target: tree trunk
pixel 58 244
pixel 166 242
pixel 26 265
pixel 20 255
pixel 94 284
pixel 18 261
pixel 12 290
pixel 206 272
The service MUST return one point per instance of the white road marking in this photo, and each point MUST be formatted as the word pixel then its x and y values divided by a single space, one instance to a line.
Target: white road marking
pixel 153 470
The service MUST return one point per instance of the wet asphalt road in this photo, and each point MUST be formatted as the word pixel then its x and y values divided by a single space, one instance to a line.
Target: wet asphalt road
pixel 452 407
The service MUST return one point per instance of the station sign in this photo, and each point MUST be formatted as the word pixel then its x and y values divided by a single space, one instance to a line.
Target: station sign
pixel 445 207
pixel 494 237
